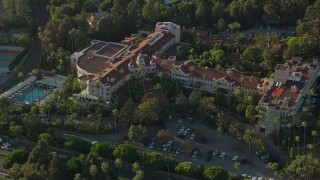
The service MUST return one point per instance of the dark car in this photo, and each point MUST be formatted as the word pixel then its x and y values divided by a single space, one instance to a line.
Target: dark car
pixel 209 155
pixel 242 160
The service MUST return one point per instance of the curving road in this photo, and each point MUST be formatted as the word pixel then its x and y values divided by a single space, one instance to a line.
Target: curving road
pixel 34 59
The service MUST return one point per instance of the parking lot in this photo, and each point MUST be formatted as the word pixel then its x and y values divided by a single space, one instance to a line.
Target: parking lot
pixel 223 151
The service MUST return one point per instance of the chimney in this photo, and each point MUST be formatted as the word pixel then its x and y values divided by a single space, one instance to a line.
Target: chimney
pixel 294 88
pixel 315 62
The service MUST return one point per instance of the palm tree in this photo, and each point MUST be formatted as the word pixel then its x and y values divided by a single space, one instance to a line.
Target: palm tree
pixel 118 163
pixel 78 177
pixel 158 87
pixel 314 135
pixel 21 75
pixel 238 94
pixel 139 175
pixel 237 165
pixel 234 128
pixel 136 167
pixel 277 129
pixel 304 125
pixel 115 114
pixel 297 138
pixel 93 171
pixel 142 75
pixel 293 114
pixel 105 167
pixel 219 132
pixel 289 126
pixel 305 111
pixel 310 147
pixel 229 89
pixel 248 137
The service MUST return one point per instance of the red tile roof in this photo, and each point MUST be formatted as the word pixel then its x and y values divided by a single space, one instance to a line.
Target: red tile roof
pixel 232 76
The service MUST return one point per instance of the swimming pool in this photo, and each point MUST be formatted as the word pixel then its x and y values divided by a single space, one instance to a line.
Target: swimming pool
pixel 6 58
pixel 32 95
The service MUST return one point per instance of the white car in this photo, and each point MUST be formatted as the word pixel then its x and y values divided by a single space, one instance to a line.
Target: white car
pixel 222 154
pixel 235 158
pixel 195 154
pixel 192 137
pixel 169 143
pixel 178 151
pixel 244 175
pixel 151 145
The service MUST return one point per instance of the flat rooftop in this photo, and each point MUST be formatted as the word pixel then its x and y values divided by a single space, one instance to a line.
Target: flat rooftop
pixel 97 56
pixel 284 93
pixel 111 49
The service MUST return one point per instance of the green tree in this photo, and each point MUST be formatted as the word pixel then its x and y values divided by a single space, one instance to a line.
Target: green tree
pixel 126 152
pixel 39 154
pixel 139 175
pixel 215 173
pixel 203 12
pixel 206 106
pixel 93 171
pixel 147 112
pixel 237 165
pixel 136 167
pixel 105 168
pixel 304 125
pixel 118 163
pixel 19 156
pixel 152 160
pixel 16 171
pixel 188 169
pixel 16 130
pixel 126 111
pixel 297 138
pixel 102 149
pixel 136 132
pixel 249 137
pixel 46 137
pixel 115 114
pixel 272 166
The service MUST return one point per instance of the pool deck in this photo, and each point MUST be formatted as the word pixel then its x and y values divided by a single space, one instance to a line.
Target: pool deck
pixel 54 83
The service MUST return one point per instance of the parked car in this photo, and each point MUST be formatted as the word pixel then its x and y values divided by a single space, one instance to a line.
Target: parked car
pixel 244 175
pixel 169 143
pixel 215 153
pixel 178 151
pixel 235 158
pixel 151 145
pixel 222 154
pixel 242 161
pixel 195 153
pixel 192 137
